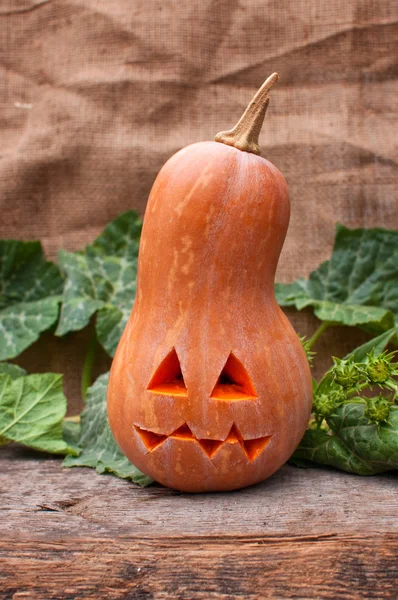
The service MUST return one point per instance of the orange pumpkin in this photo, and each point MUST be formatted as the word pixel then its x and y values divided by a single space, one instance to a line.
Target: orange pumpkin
pixel 210 388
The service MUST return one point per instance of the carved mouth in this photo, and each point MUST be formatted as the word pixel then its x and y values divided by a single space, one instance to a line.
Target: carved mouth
pixel 251 448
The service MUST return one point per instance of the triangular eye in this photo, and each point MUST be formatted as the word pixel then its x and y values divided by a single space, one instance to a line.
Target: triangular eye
pixel 234 382
pixel 168 379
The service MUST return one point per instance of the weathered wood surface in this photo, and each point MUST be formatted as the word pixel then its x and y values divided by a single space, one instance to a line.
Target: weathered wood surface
pixel 73 534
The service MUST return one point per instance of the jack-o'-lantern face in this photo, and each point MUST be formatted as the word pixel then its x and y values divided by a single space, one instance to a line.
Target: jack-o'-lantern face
pixel 232 385
pixel 197 423
pixel 190 434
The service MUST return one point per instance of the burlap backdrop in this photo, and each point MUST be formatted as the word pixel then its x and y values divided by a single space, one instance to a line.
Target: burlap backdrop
pixel 96 95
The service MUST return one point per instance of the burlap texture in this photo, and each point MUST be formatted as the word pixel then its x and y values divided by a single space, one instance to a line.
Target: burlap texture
pixel 96 95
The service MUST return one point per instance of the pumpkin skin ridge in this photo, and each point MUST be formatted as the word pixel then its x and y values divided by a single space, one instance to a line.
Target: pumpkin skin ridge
pixel 202 332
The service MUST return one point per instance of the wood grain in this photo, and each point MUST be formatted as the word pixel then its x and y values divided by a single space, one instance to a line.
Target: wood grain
pixel 73 534
pixel 193 567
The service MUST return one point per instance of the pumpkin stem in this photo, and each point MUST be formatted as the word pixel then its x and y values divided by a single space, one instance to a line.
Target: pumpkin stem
pixel 244 135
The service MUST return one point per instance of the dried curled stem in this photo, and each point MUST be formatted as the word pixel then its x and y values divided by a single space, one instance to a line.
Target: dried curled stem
pixel 245 134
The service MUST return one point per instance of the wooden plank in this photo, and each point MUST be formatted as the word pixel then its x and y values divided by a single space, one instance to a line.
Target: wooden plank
pixel 39 497
pixel 73 534
pixel 191 567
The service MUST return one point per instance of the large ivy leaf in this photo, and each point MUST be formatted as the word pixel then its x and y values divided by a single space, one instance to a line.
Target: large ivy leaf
pixel 32 408
pixel 14 371
pixel 353 444
pixel 8 371
pixel 97 444
pixel 30 289
pixel 377 345
pixel 71 434
pixel 103 279
pixel 357 286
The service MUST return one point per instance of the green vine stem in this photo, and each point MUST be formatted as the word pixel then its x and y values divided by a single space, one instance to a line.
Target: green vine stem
pixel 355 391
pixel 72 419
pixel 88 365
pixel 317 334
pixel 318 421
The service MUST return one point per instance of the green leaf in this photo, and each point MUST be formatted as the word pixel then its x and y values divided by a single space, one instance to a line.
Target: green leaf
pixel 32 408
pixel 353 444
pixel 103 279
pixel 30 292
pixel 71 434
pixel 357 286
pixel 98 447
pixel 13 371
pixel 377 344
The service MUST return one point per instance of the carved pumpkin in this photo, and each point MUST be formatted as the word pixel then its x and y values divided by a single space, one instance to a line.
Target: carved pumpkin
pixel 210 388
